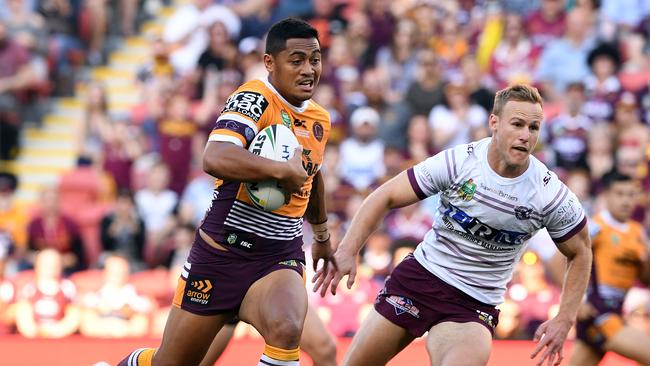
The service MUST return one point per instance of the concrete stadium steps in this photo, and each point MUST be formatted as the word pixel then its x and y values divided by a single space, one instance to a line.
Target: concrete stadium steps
pixel 49 150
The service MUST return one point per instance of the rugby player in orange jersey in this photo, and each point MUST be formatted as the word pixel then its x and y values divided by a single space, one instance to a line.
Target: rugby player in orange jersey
pixel 245 261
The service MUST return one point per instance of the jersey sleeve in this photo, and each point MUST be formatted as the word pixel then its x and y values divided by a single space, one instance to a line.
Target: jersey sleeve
pixel 563 213
pixel 243 115
pixel 433 175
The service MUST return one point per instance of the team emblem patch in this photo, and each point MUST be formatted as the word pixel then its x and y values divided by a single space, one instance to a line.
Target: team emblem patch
pixel 198 290
pixel 467 190
pixel 317 129
pixel 523 212
pixel 249 104
pixel 403 305
pixel 291 263
pixel 286 120
pixel 232 239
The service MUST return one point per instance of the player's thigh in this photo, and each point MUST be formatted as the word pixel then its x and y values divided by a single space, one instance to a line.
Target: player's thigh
pixel 187 337
pixel 631 343
pixel 316 341
pixel 377 341
pixel 218 345
pixel 584 355
pixel 448 344
pixel 276 305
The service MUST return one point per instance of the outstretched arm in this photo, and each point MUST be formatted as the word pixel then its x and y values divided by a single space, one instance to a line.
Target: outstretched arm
pixel 552 334
pixel 395 193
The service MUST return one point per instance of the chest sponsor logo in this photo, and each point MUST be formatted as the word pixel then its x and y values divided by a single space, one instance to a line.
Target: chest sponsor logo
pixel 523 212
pixel 467 190
pixel 250 104
pixel 499 192
pixel 478 229
pixel 317 129
pixel 403 305
pixel 198 290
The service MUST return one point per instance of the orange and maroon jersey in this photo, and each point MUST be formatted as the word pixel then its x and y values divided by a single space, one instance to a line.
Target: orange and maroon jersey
pixel 232 219
pixel 618 252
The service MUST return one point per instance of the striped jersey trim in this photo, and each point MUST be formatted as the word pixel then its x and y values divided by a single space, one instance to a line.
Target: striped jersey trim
pixel 238 118
pixel 225 138
pixel 264 224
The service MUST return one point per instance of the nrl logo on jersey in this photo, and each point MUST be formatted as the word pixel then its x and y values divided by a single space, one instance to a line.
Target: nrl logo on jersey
pixel 467 190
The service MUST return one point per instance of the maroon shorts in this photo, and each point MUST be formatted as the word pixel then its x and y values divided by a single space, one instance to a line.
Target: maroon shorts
pixel 214 282
pixel 416 300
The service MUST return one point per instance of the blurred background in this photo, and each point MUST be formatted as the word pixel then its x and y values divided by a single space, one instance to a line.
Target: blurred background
pixel 105 107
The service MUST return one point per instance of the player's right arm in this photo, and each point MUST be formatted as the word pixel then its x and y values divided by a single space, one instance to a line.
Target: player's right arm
pixel 230 161
pixel 408 187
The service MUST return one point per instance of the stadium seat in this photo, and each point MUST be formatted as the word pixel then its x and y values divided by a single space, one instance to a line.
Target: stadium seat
pixel 87 281
pixel 152 283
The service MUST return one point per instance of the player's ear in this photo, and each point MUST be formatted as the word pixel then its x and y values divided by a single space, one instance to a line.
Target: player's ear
pixel 492 122
pixel 269 61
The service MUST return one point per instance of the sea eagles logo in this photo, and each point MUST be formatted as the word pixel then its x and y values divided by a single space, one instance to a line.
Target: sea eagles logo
pixel 523 212
pixel 467 189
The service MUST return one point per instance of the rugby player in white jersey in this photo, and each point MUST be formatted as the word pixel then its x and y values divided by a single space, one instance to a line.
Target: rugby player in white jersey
pixel 493 197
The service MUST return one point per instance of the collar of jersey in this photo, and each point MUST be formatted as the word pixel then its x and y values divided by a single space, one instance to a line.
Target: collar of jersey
pixel 300 109
pixel 609 219
pixel 495 175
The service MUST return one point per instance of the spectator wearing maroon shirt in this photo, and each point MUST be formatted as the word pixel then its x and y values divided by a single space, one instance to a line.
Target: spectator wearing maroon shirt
pixel 546 23
pixel 47 306
pixel 177 133
pixel 515 58
pixel 602 85
pixel 51 229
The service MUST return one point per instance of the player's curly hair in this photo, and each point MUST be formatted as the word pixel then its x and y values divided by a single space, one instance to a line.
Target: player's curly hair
pixel 276 39
pixel 517 92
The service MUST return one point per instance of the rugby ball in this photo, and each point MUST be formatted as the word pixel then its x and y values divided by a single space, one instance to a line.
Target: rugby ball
pixel 275 142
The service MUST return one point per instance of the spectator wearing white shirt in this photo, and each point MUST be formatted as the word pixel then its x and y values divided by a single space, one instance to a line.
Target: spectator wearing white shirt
pixel 361 160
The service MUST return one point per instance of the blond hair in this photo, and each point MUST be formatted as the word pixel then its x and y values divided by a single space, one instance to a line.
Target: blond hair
pixel 517 92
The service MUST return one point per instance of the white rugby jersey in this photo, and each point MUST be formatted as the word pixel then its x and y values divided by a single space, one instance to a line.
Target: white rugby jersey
pixel 484 220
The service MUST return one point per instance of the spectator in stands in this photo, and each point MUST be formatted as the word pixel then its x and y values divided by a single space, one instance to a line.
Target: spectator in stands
pixel 116 310
pixel 155 204
pixel 568 133
pixel 457 121
pixel 398 60
pixel 361 162
pixel 602 85
pixel 420 140
pixel 450 45
pixel 7 289
pixel 410 222
pixel 478 83
pixel 16 75
pixel 47 308
pixel 187 31
pixel 95 122
pixel 123 231
pixel 179 143
pixel 510 326
pixel 377 255
pixel 515 58
pixel 426 89
pixel 51 229
pixel 181 243
pixel 13 216
pixel 220 54
pixel 547 23
pixel 600 155
pixel 630 130
pixel 564 60
pixel 122 144
pixel 193 203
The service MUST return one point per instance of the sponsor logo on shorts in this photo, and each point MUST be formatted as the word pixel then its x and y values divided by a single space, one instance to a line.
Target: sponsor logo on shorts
pixel 403 305
pixel 486 318
pixel 291 263
pixel 232 239
pixel 199 290
pixel 250 104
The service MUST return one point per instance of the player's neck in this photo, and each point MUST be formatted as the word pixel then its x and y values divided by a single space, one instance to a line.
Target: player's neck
pixel 292 101
pixel 501 167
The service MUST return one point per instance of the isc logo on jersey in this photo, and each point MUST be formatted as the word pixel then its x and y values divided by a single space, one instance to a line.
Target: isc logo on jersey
pixel 248 103
pixel 275 142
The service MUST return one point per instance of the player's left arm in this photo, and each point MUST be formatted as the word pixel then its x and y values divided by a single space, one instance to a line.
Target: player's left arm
pixel 552 334
pixel 316 215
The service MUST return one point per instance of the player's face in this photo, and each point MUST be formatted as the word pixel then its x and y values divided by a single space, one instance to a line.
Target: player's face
pixel 295 71
pixel 516 132
pixel 621 199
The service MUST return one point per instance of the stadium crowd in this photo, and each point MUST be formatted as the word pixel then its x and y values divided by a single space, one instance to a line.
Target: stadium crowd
pixel 99 253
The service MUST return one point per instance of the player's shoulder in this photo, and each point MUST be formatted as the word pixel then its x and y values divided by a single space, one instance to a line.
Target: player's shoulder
pixel 318 112
pixel 250 100
pixel 471 151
